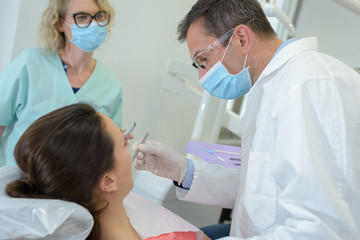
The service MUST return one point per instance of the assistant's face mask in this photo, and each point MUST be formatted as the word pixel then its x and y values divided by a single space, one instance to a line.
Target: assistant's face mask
pixel 88 39
pixel 220 83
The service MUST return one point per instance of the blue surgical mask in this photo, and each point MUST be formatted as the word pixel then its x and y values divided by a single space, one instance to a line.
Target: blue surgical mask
pixel 88 39
pixel 220 83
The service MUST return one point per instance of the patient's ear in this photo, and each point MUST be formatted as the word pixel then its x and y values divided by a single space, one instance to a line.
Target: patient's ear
pixel 107 182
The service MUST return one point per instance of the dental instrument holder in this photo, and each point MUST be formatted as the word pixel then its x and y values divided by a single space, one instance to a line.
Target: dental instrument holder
pixel 228 156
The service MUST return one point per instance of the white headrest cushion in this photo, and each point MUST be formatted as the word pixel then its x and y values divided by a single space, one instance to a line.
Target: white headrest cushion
pixel 28 218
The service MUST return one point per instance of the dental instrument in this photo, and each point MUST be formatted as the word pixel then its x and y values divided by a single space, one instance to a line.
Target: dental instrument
pixel 207 150
pixel 220 151
pixel 226 152
pixel 137 151
pixel 131 129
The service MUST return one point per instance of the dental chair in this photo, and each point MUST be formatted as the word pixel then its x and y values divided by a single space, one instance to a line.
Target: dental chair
pixel 27 218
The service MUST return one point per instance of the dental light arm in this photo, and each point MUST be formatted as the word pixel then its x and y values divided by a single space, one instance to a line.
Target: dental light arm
pixel 272 10
pixel 352 5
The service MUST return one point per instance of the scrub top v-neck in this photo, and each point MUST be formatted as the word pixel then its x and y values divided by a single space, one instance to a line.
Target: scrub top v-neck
pixel 35 84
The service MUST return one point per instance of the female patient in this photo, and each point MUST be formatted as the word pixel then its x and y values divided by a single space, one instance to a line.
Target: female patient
pixel 79 155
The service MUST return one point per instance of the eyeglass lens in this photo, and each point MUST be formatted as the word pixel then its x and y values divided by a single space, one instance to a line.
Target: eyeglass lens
pixel 201 60
pixel 84 19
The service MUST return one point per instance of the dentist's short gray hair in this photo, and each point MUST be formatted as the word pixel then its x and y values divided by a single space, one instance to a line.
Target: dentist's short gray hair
pixel 220 16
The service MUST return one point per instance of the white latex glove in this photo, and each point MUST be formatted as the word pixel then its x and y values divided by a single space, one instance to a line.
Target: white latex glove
pixel 160 160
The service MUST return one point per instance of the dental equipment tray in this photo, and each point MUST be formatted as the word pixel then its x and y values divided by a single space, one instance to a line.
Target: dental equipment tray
pixel 226 155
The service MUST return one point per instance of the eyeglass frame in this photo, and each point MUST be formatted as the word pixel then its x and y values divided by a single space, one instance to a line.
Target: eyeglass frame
pixel 220 40
pixel 91 18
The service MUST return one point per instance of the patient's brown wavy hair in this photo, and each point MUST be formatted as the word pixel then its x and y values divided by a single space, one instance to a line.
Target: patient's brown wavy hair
pixel 63 155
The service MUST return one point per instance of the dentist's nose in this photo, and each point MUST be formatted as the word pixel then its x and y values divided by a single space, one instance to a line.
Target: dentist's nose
pixel 201 72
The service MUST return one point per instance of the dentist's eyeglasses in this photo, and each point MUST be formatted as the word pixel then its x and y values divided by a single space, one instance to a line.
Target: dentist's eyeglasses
pixel 83 20
pixel 200 60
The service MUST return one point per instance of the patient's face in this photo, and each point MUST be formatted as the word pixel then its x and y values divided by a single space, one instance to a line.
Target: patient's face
pixel 122 156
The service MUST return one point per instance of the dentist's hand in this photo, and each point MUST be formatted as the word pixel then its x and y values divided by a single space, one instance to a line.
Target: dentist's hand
pixel 160 160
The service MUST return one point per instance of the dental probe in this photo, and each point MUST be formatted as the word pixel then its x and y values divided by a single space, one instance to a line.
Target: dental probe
pixel 137 151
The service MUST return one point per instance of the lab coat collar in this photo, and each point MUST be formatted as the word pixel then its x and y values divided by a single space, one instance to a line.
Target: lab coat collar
pixel 286 54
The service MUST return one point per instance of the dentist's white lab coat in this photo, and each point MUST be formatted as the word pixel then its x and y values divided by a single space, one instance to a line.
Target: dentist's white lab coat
pixel 300 173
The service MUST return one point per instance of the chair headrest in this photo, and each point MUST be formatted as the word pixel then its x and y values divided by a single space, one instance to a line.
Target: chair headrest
pixel 28 218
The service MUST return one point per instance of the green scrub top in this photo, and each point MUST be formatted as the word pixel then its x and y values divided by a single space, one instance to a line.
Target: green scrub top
pixel 35 84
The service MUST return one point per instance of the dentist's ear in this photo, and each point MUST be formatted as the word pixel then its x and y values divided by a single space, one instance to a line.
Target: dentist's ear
pixel 243 35
pixel 107 182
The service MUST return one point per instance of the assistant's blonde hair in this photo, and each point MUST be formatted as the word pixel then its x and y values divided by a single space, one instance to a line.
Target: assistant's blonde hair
pixel 50 37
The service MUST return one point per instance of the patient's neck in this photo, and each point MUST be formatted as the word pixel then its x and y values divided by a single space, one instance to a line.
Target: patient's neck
pixel 115 224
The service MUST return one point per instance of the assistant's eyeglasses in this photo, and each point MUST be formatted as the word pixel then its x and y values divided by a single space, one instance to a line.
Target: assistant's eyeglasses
pixel 83 20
